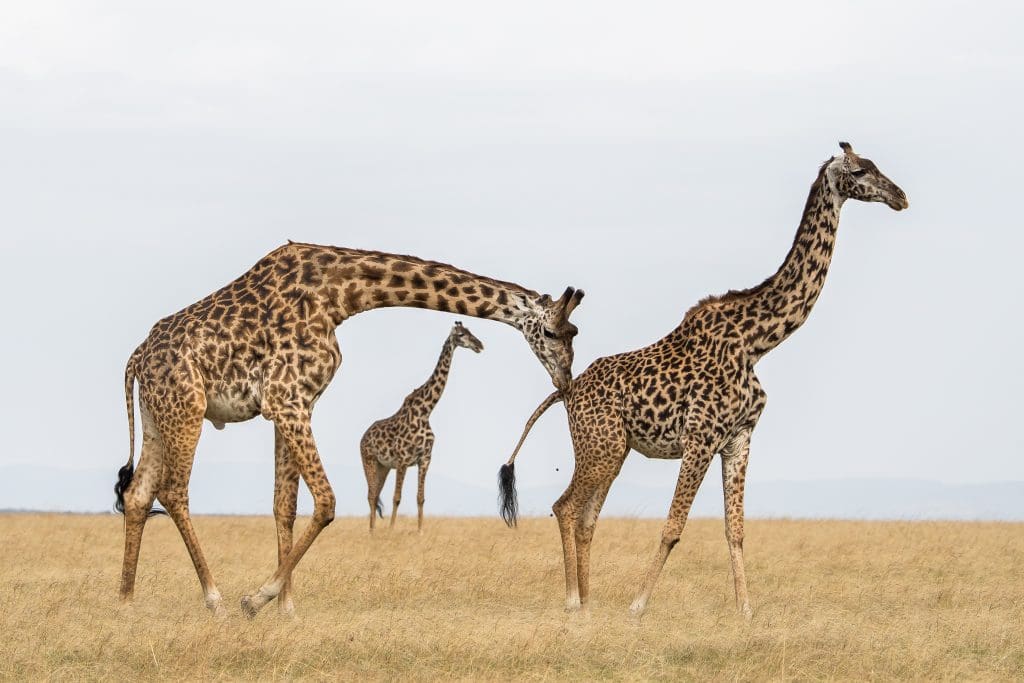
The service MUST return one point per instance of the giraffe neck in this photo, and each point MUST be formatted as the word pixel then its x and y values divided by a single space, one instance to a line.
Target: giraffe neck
pixel 429 393
pixel 351 281
pixel 773 310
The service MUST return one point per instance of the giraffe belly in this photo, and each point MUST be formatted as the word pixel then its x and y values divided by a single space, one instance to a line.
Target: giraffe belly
pixel 658 448
pixel 222 408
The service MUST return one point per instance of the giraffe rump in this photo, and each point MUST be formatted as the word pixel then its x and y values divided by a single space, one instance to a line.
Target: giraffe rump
pixel 127 473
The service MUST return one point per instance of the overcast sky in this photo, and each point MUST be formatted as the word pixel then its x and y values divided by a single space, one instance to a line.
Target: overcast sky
pixel 650 153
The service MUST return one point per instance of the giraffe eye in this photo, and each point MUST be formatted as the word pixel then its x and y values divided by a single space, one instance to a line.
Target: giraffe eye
pixel 549 334
pixel 859 172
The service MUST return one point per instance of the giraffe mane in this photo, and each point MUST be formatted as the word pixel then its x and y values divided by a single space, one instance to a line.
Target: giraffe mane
pixel 738 294
pixel 383 256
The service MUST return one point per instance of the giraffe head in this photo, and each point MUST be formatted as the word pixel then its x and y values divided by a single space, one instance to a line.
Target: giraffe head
pixel 855 177
pixel 549 333
pixel 461 336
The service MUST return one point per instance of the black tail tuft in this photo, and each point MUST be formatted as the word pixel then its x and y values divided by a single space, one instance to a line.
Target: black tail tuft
pixel 508 502
pixel 380 508
pixel 124 480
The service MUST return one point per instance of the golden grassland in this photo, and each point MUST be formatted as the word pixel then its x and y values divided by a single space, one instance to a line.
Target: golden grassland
pixel 470 599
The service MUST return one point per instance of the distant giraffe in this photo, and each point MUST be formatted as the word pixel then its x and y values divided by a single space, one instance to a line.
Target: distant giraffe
pixel 694 392
pixel 265 345
pixel 406 439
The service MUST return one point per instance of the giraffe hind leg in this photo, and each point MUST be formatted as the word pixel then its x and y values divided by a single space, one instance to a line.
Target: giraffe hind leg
pixel 137 502
pixel 376 474
pixel 376 507
pixel 179 434
pixel 585 532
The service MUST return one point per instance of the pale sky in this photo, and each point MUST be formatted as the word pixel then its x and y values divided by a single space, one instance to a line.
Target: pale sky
pixel 649 153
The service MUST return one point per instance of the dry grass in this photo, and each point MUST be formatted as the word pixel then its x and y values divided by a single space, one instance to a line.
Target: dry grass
pixel 472 600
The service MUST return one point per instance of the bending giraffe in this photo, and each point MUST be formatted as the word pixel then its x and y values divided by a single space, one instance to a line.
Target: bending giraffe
pixel 265 345
pixel 406 439
pixel 694 393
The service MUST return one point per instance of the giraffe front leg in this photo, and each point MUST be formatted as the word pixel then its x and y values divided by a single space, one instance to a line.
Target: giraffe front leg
pixel 399 480
pixel 286 491
pixel 295 429
pixel 734 472
pixel 696 458
pixel 421 471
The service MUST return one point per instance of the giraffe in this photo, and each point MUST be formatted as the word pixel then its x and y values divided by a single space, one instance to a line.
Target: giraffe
pixel 265 345
pixel 405 438
pixel 694 392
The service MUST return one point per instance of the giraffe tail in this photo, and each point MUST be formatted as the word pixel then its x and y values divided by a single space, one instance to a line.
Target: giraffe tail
pixel 380 509
pixel 508 500
pixel 127 473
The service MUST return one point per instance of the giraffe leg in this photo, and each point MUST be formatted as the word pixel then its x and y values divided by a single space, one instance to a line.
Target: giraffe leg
pixel 180 435
pixel 376 475
pixel 295 429
pixel 584 535
pixel 599 444
pixel 399 480
pixel 696 458
pixel 734 472
pixel 286 492
pixel 568 509
pixel 138 500
pixel 421 471
pixel 176 501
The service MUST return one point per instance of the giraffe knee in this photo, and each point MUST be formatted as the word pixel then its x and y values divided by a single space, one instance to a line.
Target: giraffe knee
pixel 734 535
pixel 560 506
pixel 323 507
pixel 670 535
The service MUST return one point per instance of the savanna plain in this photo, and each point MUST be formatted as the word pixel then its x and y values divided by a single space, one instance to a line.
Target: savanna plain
pixel 469 599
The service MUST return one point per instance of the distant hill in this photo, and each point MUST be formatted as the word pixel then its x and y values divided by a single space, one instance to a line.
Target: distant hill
pixel 30 487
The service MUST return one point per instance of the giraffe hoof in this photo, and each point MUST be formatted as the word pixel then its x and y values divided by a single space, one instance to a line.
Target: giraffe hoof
pixel 217 609
pixel 286 607
pixel 249 608
pixel 747 613
pixel 636 610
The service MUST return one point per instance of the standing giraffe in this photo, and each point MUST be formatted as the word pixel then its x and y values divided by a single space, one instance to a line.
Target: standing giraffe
pixel 405 438
pixel 265 345
pixel 694 392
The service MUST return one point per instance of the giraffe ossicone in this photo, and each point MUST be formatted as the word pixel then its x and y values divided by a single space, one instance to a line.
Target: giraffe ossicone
pixel 406 439
pixel 694 393
pixel 265 344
